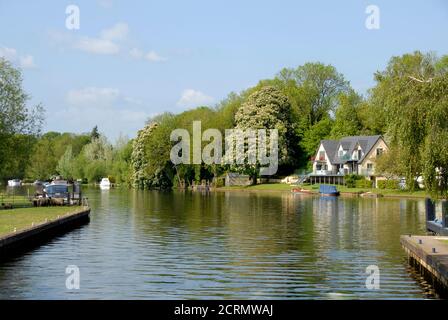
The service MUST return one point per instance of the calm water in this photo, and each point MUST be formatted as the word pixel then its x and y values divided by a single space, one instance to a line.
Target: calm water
pixel 149 244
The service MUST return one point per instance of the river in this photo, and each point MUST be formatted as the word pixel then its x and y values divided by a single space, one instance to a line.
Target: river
pixel 225 245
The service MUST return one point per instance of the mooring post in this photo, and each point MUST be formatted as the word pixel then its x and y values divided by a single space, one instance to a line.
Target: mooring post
pixel 430 210
pixel 444 213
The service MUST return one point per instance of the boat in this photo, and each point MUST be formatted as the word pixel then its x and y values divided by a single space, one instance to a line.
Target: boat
pixel 105 183
pixel 328 191
pixel 14 183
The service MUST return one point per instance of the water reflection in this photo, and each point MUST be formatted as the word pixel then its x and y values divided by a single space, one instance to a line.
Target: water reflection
pixel 148 244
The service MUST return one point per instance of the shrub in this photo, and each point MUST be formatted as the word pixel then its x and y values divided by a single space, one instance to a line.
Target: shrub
pixel 381 184
pixel 392 184
pixel 388 184
pixel 364 183
pixel 350 180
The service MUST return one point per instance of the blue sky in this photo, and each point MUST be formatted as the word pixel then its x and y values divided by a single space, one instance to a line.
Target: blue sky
pixel 133 59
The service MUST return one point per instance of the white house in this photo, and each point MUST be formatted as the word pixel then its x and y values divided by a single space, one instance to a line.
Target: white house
pixel 348 155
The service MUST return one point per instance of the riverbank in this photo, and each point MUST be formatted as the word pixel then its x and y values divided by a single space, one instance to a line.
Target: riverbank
pixel 20 227
pixel 314 189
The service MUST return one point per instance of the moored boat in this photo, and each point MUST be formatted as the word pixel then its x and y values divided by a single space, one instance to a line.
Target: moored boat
pixel 328 190
pixel 105 183
pixel 14 183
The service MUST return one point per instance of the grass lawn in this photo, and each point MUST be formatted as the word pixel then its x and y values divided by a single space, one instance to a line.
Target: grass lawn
pixel 315 187
pixel 22 218
pixel 264 186
pixel 16 201
pixel 385 192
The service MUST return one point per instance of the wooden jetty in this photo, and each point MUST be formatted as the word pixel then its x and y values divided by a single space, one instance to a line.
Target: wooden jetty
pixel 429 256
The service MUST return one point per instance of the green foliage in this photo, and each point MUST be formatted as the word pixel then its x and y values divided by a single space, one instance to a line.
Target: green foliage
pixel 412 91
pixel 313 136
pixel 351 179
pixel 19 125
pixel 347 121
pixel 363 183
pixel 388 184
pixel 66 164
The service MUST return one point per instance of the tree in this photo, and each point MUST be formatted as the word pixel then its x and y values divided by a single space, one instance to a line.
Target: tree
pixel 412 91
pixel 65 165
pixel 268 108
pixel 318 87
pixel 43 162
pixel 387 164
pixel 315 134
pixel 94 134
pixel 347 121
pixel 16 119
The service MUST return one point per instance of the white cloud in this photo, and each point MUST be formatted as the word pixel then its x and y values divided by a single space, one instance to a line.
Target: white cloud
pixel 93 97
pixel 11 54
pixel 154 57
pixel 117 32
pixel 27 61
pixel 97 46
pixel 105 3
pixel 136 53
pixel 193 98
pixel 151 56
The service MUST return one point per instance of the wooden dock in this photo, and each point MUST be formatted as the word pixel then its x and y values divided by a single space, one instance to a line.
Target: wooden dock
pixel 429 255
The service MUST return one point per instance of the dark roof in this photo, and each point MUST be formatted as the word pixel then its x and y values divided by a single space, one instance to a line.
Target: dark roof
pixel 349 144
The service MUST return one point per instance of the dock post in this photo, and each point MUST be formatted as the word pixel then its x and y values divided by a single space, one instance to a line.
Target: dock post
pixel 430 210
pixel 444 213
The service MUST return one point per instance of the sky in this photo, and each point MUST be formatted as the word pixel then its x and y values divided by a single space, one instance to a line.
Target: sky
pixel 131 60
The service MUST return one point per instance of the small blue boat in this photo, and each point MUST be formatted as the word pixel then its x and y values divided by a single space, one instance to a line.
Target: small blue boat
pixel 328 191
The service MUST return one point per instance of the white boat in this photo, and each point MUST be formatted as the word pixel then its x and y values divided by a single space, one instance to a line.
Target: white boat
pixel 105 183
pixel 14 183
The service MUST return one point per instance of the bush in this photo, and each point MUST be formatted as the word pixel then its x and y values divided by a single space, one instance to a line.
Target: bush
pixel 350 180
pixel 388 184
pixel 112 179
pixel 381 184
pixel 364 183
pixel 392 184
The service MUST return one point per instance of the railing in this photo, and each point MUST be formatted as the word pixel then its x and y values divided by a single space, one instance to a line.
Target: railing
pixel 325 172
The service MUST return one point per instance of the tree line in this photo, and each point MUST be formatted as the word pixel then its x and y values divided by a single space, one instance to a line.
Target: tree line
pixel 407 105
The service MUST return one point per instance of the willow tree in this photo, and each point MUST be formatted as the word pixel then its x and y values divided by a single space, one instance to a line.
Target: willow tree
pixel 412 92
pixel 435 151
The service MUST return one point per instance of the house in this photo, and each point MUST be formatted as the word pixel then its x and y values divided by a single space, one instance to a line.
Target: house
pixel 349 155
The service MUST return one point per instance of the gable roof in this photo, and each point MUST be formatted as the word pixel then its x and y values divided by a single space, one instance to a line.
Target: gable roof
pixel 349 144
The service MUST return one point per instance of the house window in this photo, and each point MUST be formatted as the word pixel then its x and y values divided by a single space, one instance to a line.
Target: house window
pixel 370 166
pixel 379 151
pixel 341 153
pixel 322 155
